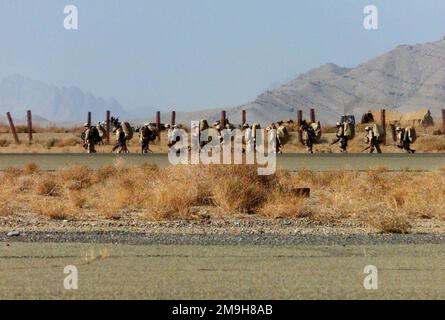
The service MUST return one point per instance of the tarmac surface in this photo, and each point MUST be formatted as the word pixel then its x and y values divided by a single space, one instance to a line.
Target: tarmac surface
pixel 138 266
pixel 293 162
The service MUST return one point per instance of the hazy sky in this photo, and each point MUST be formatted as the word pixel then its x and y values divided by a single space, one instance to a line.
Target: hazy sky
pixel 194 54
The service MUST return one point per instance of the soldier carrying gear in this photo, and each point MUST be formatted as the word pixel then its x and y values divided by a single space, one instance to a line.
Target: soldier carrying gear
pixel 405 137
pixel 121 140
pixel 219 128
pixel 372 140
pixel 341 137
pixel 146 134
pixel 174 135
pixel 101 131
pixel 249 139
pixel 308 135
pixel 91 137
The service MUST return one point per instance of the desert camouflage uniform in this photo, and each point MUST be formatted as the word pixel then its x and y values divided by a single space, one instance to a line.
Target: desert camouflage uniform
pixel 371 139
pixel 89 142
pixel 121 141
pixel 403 141
pixel 308 137
pixel 342 139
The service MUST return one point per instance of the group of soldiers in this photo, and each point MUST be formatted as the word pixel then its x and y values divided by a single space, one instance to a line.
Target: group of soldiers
pixel 374 136
pixel 310 134
pixel 94 135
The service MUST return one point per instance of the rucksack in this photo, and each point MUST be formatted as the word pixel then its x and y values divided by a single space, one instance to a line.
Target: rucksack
pixel 152 135
pixel 348 118
pixel 316 127
pixel 348 130
pixel 255 127
pixel 101 130
pixel 283 134
pixel 379 133
pixel 348 122
pixel 93 135
pixel 128 130
pixel 410 134
pixel 203 125
pixel 145 132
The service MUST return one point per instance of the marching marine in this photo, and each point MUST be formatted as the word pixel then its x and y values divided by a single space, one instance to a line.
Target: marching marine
pixel 90 137
pixel 374 138
pixel 405 137
pixel 308 135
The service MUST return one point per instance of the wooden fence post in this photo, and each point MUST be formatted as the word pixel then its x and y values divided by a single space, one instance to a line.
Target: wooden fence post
pixel 89 118
pixel 299 121
pixel 244 118
pixel 223 119
pixel 383 119
pixel 12 127
pixel 107 126
pixel 29 121
pixel 158 125
pixel 173 119
pixel 443 120
pixel 312 116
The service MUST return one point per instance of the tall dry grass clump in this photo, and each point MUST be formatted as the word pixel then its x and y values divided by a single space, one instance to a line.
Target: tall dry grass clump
pixel 31 168
pixel 5 207
pixel 239 188
pixel 383 200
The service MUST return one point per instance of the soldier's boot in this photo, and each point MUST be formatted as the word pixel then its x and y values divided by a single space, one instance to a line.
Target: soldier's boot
pixel 379 150
pixel 91 148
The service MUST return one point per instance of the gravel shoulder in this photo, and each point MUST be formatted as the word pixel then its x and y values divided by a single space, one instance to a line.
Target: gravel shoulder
pixel 231 231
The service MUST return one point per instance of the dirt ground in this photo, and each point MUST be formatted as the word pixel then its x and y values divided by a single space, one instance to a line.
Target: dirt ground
pixel 105 271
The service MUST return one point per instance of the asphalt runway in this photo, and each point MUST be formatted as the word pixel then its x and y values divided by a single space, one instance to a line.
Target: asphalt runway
pixel 106 271
pixel 292 162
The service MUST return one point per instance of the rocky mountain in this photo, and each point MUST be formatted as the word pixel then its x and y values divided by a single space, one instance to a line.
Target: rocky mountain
pixel 407 78
pixel 65 104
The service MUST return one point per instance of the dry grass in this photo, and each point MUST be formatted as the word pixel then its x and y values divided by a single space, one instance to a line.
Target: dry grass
pixel 53 208
pixel 280 205
pixel 5 208
pixel 383 201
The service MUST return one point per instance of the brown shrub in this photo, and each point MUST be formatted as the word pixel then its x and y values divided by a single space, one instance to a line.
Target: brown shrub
pixel 171 201
pixel 237 194
pixel 52 208
pixel 4 143
pixel 387 220
pixel 50 143
pixel 47 186
pixel 76 177
pixel 5 208
pixel 30 168
pixel 78 199
pixel 11 173
pixel 283 206
pixel 68 142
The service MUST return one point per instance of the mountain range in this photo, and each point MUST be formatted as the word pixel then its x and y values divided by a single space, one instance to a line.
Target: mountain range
pixel 407 78
pixel 51 103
